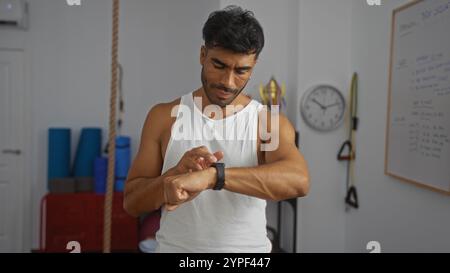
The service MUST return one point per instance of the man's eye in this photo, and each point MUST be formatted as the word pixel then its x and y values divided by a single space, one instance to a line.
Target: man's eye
pixel 219 66
pixel 241 72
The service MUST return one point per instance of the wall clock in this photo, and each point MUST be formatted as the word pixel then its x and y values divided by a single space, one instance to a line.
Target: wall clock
pixel 323 107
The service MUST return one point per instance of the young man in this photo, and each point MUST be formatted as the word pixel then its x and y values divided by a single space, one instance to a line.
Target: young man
pixel 213 189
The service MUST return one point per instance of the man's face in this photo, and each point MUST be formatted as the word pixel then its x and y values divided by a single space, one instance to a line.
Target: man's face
pixel 225 74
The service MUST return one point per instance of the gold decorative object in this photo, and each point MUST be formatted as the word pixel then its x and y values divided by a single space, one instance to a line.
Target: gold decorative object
pixel 273 94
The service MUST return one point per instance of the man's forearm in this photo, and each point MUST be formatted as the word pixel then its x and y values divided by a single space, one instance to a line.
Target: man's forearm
pixel 145 194
pixel 274 181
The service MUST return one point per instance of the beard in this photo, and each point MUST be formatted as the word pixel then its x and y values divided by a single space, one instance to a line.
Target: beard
pixel 210 94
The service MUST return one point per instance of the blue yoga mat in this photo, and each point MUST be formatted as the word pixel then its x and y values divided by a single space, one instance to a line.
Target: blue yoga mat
pixel 100 174
pixel 119 185
pixel 89 148
pixel 123 157
pixel 58 153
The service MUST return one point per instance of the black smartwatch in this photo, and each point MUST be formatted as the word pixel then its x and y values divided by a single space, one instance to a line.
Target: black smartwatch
pixel 220 182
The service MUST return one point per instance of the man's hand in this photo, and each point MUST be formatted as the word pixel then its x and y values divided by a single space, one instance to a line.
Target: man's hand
pixel 185 187
pixel 197 159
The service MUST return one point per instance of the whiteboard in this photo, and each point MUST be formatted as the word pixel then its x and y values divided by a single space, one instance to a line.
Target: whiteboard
pixel 418 120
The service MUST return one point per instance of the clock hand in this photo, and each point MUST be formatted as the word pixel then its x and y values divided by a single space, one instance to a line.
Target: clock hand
pixel 318 103
pixel 324 107
pixel 331 105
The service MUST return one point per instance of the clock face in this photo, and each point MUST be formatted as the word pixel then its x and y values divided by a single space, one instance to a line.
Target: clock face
pixel 323 108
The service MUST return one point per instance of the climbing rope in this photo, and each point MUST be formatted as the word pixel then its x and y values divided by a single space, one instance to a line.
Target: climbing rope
pixel 112 131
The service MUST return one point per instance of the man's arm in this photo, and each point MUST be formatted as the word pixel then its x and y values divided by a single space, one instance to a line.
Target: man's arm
pixel 283 175
pixel 146 190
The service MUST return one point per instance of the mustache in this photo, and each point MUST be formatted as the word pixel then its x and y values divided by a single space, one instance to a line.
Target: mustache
pixel 224 88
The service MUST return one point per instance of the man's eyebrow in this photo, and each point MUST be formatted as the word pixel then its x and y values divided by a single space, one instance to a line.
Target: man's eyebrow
pixel 217 61
pixel 244 68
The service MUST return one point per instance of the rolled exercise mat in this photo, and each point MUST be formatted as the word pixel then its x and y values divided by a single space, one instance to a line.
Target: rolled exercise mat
pixel 89 148
pixel 84 184
pixel 58 153
pixel 123 158
pixel 119 185
pixel 100 174
pixel 62 185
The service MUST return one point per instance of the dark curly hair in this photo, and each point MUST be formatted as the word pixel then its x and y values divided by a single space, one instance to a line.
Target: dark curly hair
pixel 235 29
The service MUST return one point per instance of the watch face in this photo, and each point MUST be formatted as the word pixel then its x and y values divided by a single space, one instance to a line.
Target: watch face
pixel 323 108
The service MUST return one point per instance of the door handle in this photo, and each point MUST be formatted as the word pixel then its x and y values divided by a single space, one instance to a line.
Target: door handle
pixel 10 151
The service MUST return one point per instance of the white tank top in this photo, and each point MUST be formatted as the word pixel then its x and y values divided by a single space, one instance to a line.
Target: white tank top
pixel 215 221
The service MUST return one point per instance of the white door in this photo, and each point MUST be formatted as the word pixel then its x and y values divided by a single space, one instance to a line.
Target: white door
pixel 12 136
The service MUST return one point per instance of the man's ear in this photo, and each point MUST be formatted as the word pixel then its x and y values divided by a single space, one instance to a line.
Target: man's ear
pixel 203 54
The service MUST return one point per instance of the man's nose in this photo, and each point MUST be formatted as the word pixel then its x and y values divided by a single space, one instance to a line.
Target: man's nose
pixel 228 80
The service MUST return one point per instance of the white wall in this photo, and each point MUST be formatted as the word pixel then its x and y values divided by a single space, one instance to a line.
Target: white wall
pixel 160 51
pixel 401 216
pixel 337 38
pixel 324 57
pixel 68 51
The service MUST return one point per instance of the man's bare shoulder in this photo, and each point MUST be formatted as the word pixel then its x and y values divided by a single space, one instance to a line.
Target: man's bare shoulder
pixel 266 118
pixel 163 110
pixel 159 117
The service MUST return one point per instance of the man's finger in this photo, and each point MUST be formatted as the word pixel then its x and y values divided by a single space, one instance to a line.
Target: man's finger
pixel 218 155
pixel 195 165
pixel 207 155
pixel 204 163
pixel 192 196
pixel 210 158
pixel 213 159
pixel 182 196
pixel 200 148
pixel 206 159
